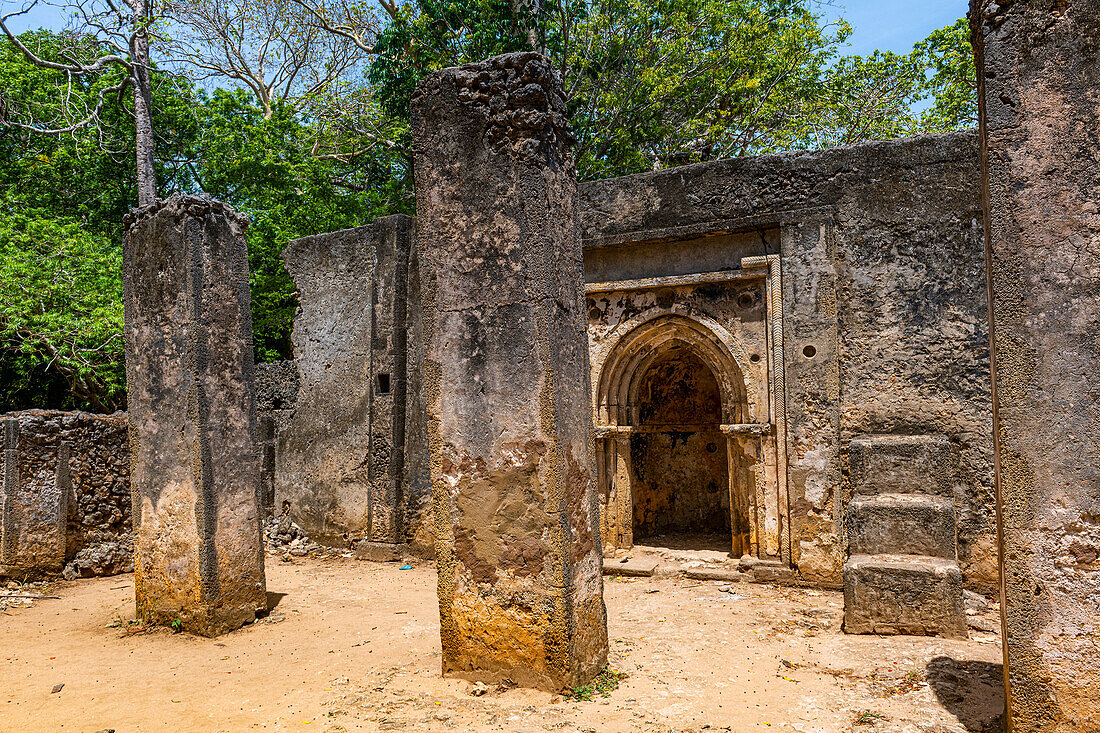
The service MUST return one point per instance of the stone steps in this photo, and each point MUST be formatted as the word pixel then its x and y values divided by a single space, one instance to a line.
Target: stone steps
pixel 901 524
pixel 902 574
pixel 903 594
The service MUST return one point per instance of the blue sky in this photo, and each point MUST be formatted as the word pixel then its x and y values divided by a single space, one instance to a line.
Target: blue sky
pixel 888 25
pixel 893 25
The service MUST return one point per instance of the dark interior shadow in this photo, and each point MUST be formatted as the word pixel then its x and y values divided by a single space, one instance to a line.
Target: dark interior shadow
pixel 688 541
pixel 273 600
pixel 972 691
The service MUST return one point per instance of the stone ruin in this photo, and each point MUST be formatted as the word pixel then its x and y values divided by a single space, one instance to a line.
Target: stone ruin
pixel 195 476
pixel 1039 73
pixel 66 495
pixel 505 377
pixel 788 352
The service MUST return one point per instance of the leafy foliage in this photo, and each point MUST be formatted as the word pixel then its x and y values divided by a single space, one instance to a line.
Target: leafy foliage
pixel 602 685
pixel 651 83
pixel 263 167
pixel 60 313
pixel 89 174
pixel 682 81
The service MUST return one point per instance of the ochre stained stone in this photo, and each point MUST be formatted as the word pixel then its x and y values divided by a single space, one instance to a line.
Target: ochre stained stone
pixel 195 468
pixel 506 376
pixel 1039 74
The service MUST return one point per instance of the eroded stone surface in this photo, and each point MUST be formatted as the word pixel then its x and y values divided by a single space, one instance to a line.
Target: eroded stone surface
pixel 506 376
pixel 195 468
pixel 94 533
pixel 904 594
pixel 903 524
pixel 351 459
pixel 35 502
pixel 1040 73
pixel 883 326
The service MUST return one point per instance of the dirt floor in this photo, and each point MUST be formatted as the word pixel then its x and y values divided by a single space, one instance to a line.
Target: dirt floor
pixel 354 646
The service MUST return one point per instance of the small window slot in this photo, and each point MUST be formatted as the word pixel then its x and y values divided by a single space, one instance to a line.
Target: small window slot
pixel 383 383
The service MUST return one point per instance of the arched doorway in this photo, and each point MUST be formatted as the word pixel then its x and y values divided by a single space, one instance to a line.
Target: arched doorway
pixel 679 454
pixel 675 422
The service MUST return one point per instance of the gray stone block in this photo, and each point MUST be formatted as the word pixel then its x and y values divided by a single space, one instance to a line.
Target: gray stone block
pixel 727 575
pixel 903 594
pixel 900 464
pixel 901 524
pixel 380 551
pixel 636 567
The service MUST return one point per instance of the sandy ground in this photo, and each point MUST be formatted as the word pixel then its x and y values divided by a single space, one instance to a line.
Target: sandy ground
pixel 354 646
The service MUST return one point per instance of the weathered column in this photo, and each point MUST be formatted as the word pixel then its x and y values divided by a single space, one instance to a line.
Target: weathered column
pixel 506 376
pixel 35 498
pixel 195 465
pixel 1039 76
pixel 622 510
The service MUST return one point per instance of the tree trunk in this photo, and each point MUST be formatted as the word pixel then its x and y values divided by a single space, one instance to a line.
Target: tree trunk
pixel 529 15
pixel 143 106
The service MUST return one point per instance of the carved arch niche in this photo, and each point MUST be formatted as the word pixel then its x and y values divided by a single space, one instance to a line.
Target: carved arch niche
pixel 745 425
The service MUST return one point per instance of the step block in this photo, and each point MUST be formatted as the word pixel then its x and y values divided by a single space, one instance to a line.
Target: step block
pixel 903 594
pixel 900 464
pixel 901 524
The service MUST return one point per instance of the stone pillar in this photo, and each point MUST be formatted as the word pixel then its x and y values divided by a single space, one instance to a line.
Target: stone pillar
pixel 506 376
pixel 622 492
pixel 35 500
pixel 1039 76
pixel 195 464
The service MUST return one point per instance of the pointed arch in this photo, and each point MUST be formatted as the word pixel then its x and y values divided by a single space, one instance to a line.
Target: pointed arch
pixel 626 363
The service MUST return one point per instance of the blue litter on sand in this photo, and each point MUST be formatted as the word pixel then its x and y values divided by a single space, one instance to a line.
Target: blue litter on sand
pixel 406 567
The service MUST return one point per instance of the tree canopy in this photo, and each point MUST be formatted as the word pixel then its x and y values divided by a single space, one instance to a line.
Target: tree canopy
pixel 296 114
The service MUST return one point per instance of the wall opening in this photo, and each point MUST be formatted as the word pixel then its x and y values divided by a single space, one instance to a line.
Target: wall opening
pixel 679 455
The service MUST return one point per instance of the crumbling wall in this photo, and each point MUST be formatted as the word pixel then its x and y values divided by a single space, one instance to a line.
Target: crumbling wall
pixel 95 534
pixel 344 464
pixel 1039 72
pixel 883 308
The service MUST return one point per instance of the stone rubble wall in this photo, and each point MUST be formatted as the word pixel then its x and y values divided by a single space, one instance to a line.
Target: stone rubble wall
pixel 97 530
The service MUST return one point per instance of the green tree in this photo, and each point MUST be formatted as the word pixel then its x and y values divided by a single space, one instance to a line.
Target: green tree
pixel 656 84
pixel 886 95
pixel 951 80
pixel 651 84
pixel 263 165
pixel 60 315
pixel 86 174
pixel 62 199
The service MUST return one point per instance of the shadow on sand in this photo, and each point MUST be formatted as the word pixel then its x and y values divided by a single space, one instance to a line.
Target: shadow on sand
pixel 273 600
pixel 971 691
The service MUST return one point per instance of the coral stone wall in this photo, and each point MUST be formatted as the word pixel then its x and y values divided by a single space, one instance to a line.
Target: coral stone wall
pixel 1039 73
pixel 883 307
pixel 97 512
